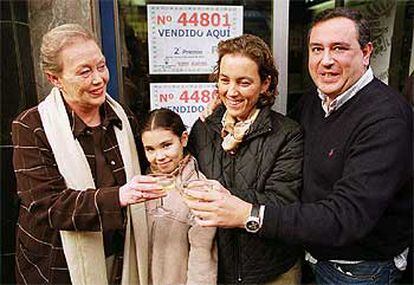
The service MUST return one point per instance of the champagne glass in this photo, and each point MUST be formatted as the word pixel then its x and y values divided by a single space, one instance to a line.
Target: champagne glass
pixel 191 180
pixel 167 183
pixel 200 185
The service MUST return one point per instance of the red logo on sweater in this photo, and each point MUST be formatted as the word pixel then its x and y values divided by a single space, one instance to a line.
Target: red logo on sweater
pixel 331 153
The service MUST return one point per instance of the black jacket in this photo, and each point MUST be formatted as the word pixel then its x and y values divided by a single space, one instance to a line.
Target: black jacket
pixel 266 169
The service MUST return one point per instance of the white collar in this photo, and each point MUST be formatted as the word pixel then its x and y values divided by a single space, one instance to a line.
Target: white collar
pixel 335 104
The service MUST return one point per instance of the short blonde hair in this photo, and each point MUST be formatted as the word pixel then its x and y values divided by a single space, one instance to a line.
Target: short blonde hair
pixel 55 40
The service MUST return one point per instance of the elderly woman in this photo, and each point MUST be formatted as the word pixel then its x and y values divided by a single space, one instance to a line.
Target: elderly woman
pixel 73 156
pixel 256 155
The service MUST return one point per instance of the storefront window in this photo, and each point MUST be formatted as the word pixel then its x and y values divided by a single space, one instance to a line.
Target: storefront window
pixel 134 45
pixel 392 35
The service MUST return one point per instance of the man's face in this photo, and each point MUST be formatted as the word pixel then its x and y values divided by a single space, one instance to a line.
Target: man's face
pixel 336 60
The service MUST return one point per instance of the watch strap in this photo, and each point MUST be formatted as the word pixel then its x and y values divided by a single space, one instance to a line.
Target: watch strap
pixel 255 212
pixel 261 214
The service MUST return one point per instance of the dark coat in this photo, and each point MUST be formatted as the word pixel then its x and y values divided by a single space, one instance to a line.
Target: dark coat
pixel 266 169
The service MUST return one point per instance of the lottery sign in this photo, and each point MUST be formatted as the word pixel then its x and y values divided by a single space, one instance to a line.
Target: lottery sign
pixel 182 39
pixel 186 99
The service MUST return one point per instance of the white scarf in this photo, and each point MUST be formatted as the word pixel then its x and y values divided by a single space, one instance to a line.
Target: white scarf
pixel 84 250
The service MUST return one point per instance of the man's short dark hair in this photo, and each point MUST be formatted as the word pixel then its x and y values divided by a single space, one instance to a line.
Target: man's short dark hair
pixel 361 24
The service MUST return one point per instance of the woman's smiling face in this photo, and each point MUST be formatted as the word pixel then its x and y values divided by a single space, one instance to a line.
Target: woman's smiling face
pixel 239 84
pixel 84 76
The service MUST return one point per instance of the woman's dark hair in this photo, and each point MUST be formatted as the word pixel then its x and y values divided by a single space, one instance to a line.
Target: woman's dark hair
pixel 164 119
pixel 257 50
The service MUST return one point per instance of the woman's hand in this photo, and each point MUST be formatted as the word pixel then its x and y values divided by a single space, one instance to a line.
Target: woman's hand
pixel 210 108
pixel 139 189
pixel 218 208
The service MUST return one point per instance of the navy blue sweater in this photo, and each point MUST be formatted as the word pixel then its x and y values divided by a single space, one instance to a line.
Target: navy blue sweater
pixel 357 196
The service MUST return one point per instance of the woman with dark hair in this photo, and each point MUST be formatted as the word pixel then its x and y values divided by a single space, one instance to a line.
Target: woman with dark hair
pixel 256 155
pixel 180 252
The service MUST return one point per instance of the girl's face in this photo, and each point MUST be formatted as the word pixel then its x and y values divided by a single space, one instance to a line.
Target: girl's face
pixel 164 149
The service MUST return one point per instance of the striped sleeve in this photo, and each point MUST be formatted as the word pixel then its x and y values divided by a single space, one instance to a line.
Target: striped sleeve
pixel 42 189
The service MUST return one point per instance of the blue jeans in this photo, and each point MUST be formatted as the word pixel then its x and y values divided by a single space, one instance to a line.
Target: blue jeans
pixel 366 273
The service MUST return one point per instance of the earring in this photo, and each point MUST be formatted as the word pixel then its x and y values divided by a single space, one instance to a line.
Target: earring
pixel 60 88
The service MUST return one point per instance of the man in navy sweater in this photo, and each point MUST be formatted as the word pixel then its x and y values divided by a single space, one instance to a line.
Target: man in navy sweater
pixel 355 215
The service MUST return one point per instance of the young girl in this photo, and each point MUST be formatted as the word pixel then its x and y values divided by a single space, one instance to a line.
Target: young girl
pixel 179 252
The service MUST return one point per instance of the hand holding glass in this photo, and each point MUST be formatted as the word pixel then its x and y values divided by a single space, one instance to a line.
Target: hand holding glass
pixel 195 185
pixel 167 183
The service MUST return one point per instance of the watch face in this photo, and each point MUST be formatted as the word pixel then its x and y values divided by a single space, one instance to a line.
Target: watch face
pixel 252 225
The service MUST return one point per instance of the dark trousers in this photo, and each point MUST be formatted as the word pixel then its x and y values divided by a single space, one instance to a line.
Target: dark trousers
pixel 364 273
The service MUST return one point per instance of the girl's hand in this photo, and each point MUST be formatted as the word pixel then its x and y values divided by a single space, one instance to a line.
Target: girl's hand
pixel 218 208
pixel 140 189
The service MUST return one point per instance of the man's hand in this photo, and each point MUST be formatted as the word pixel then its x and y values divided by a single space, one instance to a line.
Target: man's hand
pixel 139 189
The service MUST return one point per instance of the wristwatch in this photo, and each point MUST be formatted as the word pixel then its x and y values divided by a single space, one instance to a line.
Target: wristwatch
pixel 253 222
